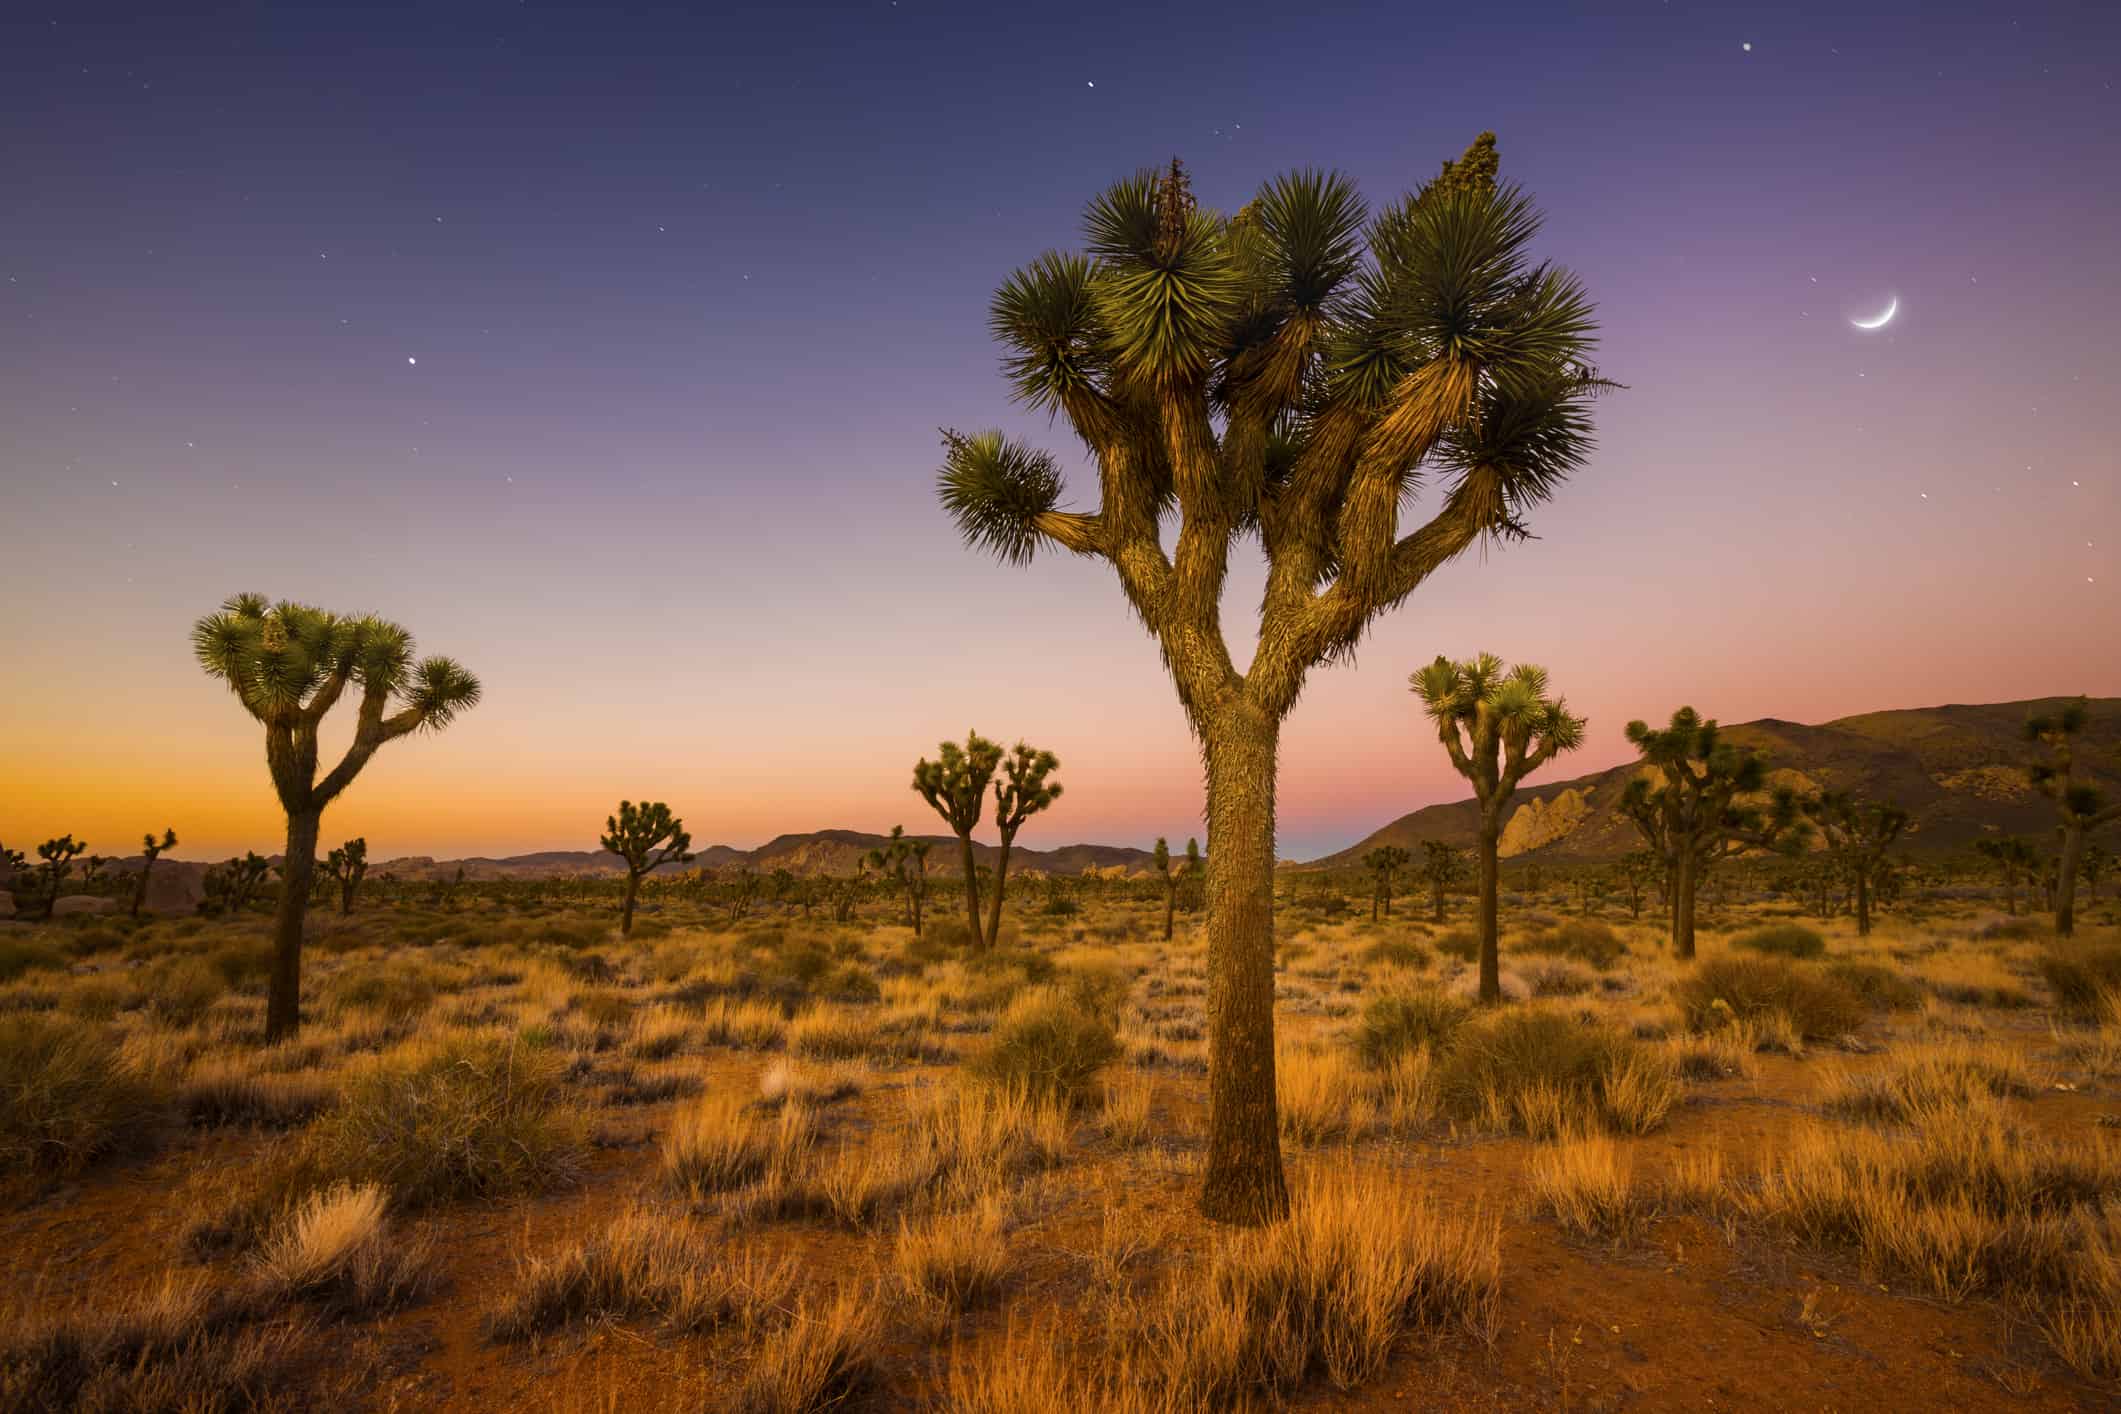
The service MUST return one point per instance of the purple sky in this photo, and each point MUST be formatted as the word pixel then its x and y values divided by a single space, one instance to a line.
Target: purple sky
pixel 689 293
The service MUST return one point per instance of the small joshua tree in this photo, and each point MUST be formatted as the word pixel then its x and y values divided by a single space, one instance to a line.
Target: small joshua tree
pixel 1023 791
pixel 2079 805
pixel 1442 865
pixel 1637 871
pixel 1498 727
pixel 1384 863
pixel 289 665
pixel 231 886
pixel 893 859
pixel 150 849
pixel 2015 862
pixel 1164 873
pixel 647 837
pixel 955 787
pixel 1858 833
pixel 58 862
pixel 1693 816
pixel 347 866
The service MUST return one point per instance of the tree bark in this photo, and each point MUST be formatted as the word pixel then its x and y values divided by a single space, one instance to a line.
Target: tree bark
pixel 1863 902
pixel 994 908
pixel 1490 887
pixel 1436 897
pixel 2066 880
pixel 1170 905
pixel 283 1008
pixel 633 889
pixel 1244 1181
pixel 1683 906
pixel 972 919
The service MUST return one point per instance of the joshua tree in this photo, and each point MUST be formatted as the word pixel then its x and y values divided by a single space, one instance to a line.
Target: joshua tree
pixel 151 850
pixel 2093 867
pixel 1693 816
pixel 956 788
pixel 347 866
pixel 1442 865
pixel 905 862
pixel 1592 885
pixel 1261 376
pixel 646 836
pixel 289 664
pixel 231 886
pixel 58 856
pixel 2080 805
pixel 2015 864
pixel 1637 870
pixel 92 866
pixel 1162 855
pixel 1022 792
pixel 1498 727
pixel 1383 862
pixel 1858 833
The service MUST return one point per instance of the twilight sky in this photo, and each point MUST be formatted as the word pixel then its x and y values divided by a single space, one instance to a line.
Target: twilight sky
pixel 604 347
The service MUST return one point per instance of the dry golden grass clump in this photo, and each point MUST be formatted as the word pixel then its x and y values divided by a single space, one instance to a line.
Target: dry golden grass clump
pixel 958 1261
pixel 66 1095
pixel 1051 1043
pixel 1587 1185
pixel 1542 1073
pixel 336 1248
pixel 821 1359
pixel 752 1026
pixel 1360 1261
pixel 1769 991
pixel 723 1143
pixel 1406 1018
pixel 645 1265
pixel 1934 1078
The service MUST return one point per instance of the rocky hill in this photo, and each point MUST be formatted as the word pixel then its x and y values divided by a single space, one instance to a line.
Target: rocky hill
pixel 820 852
pixel 1960 771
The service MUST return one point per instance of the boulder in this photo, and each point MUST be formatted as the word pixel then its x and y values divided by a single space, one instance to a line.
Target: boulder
pixel 175 886
pixel 86 904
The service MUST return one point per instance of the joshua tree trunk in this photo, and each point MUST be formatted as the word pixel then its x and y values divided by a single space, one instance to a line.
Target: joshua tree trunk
pixel 633 890
pixel 1490 942
pixel 1170 906
pixel 1683 905
pixel 1863 903
pixel 298 870
pixel 994 909
pixel 2066 880
pixel 346 893
pixel 140 887
pixel 972 918
pixel 1436 898
pixel 1244 1182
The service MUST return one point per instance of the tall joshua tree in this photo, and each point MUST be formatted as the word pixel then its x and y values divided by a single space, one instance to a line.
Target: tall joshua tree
pixel 1498 727
pixel 1384 863
pixel 347 866
pixel 956 788
pixel 1442 865
pixel 1298 372
pixel 646 836
pixel 1693 815
pixel 1857 834
pixel 2079 805
pixel 289 665
pixel 1023 791
pixel 150 850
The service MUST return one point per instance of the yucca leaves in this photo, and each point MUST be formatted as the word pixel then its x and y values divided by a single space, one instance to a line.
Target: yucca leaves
pixel 1046 316
pixel 996 489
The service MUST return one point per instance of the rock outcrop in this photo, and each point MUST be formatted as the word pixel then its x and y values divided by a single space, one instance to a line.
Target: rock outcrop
pixel 1538 823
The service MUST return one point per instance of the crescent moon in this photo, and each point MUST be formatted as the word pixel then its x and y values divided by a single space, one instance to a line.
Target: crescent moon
pixel 1879 321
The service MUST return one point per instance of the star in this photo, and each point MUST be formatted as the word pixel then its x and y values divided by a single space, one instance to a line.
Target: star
pixel 411 360
pixel 1747 46
pixel 1092 83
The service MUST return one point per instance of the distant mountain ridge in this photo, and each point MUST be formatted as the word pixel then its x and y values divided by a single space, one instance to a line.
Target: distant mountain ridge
pixel 1958 769
pixel 819 852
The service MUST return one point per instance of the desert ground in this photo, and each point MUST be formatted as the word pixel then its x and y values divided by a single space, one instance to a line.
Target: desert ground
pixel 777 1163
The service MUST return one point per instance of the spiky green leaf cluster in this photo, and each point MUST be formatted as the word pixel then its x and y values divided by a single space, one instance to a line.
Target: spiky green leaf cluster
pixel 287 660
pixel 647 836
pixel 955 785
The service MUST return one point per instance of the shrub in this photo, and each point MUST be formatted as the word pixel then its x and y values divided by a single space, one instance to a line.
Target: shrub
pixel 959 1261
pixel 20 955
pixel 1757 989
pixel 1396 1022
pixel 1548 1075
pixel 1049 1046
pixel 180 989
pixel 1588 1187
pixel 1782 940
pixel 1395 952
pixel 1582 939
pixel 474 1116
pixel 2083 976
pixel 65 1096
pixel 721 1143
pixel 398 989
pixel 1460 943
pixel 1882 988
pixel 820 1361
